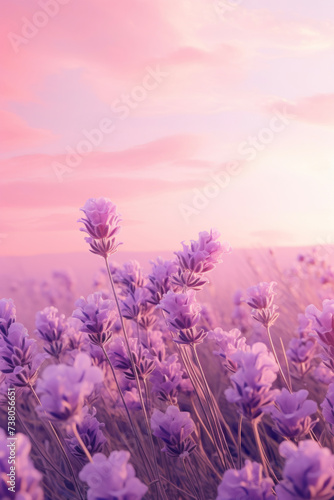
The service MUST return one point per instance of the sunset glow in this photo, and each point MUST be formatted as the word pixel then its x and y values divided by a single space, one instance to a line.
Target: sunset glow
pixel 187 114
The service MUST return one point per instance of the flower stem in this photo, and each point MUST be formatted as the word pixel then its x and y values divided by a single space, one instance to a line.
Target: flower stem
pixel 67 460
pixel 259 447
pixel 43 455
pixel 239 441
pixel 190 481
pixel 277 360
pixel 211 407
pixel 134 431
pixel 160 486
pixel 82 444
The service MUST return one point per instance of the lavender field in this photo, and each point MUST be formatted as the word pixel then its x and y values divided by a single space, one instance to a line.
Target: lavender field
pixel 196 377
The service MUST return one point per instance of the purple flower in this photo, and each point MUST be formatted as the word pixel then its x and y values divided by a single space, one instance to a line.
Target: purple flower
pixel 252 382
pixel 76 340
pixel 261 298
pixel 19 356
pixel 159 279
pixel 50 328
pixel 62 389
pixel 142 359
pixel 102 224
pixel 228 343
pixel 291 414
pixel 97 316
pixel 323 374
pixel 240 317
pixel 328 406
pixel 301 352
pixel 112 477
pixel 165 379
pixel 246 484
pixel 156 344
pixel 181 281
pixel 7 315
pixel 323 325
pixel 304 326
pixel 183 314
pixel 130 276
pixel 174 428
pixel 308 472
pixel 201 256
pixel 136 307
pixel 27 478
pixel 90 432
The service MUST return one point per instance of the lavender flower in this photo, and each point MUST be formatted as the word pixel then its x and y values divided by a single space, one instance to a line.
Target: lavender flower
pixel 112 477
pixel 137 307
pixel 304 326
pixel 308 472
pixel 203 255
pixel 75 339
pixel 130 276
pixel 240 317
pixel 102 224
pixel 291 414
pixel 166 378
pixel 323 325
pixel 51 328
pixel 159 279
pixel 323 374
pixel 174 428
pixel 183 313
pixel 26 479
pixel 261 298
pixel 328 406
pixel 97 316
pixel 302 352
pixel 181 281
pixel 252 382
pixel 90 432
pixel 246 484
pixel 7 315
pixel 228 343
pixel 142 360
pixel 156 344
pixel 19 356
pixel 62 389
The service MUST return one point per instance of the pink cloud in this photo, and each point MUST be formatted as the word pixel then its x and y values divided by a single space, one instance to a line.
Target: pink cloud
pixel 318 109
pixel 16 134
pixel 172 149
pixel 74 193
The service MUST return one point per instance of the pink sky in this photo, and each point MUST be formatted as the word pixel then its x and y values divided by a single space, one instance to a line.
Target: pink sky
pixel 188 114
